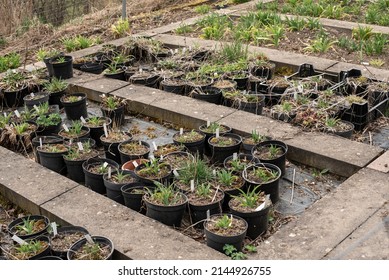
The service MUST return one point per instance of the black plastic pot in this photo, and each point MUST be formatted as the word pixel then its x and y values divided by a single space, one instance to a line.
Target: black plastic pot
pixel 55 98
pixel 195 148
pixel 208 94
pixel 116 115
pixel 241 83
pixel 104 241
pixel 75 110
pixel 14 98
pixel 176 87
pixel 93 68
pixel 217 242
pixel 257 221
pixel 220 153
pixel 199 212
pixel 95 181
pixel 253 107
pixel 39 99
pixel 263 71
pixel 134 200
pixel 49 66
pixel 114 189
pixel 45 140
pixel 249 157
pixel 85 133
pixel 111 149
pixel 117 76
pixel 163 179
pixel 53 161
pixel 75 171
pixel 19 221
pixel 279 161
pixel 63 231
pixel 45 252
pixel 271 187
pixel 124 157
pixel 62 70
pixel 207 148
pixel 168 215
pixel 346 133
pixel 97 131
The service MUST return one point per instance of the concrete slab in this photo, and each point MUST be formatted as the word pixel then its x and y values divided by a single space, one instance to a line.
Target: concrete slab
pixel 27 183
pixel 134 235
pixel 381 163
pixel 329 221
pixel 245 122
pixel 368 242
pixel 341 156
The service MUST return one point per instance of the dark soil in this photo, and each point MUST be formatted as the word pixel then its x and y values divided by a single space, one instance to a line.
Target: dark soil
pixel 62 241
pixel 237 227
pixel 197 200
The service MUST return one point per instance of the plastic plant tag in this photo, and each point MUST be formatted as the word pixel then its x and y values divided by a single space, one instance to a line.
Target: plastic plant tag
pixel 82 119
pixel 176 51
pixel 140 70
pixel 140 142
pixel 32 94
pixel 70 142
pixel 155 146
pixel 230 221
pixel 54 228
pixel 135 164
pixel 260 207
pixel 105 130
pixel 40 142
pixel 18 240
pixel 36 108
pixel 80 146
pixel 295 95
pixel 109 172
pixel 184 50
pixel 176 173
pixel 105 164
pixel 65 127
pixel 16 113
pixel 181 131
pixel 214 172
pixel 89 239
pixel 190 48
pixel 217 132
pixel 234 156
pixel 171 51
pixel 208 123
pixel 192 188
pixel 161 157
pixel 5 114
pixel 208 215
pixel 103 95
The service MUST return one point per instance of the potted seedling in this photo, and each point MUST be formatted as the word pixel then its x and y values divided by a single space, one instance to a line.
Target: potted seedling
pixel 264 175
pixel 249 142
pixel 51 157
pixel 163 150
pixel 285 111
pixel 229 183
pixel 237 163
pixel 115 181
pixel 339 127
pixel 222 229
pixel 75 105
pixel 246 101
pixel 64 238
pixel 96 127
pixel 133 195
pixel 62 66
pixel 174 85
pixel 45 56
pixel 77 154
pixel 114 71
pixel 253 206
pixel 18 136
pixel 209 129
pixel 14 88
pixel 111 141
pixel 29 227
pixel 225 85
pixel 178 160
pixel 131 149
pixel 165 204
pixel 56 88
pixel 154 170
pixel 31 249
pixel 208 94
pixel 193 140
pixel 35 99
pixel 76 132
pixel 224 146
pixel 91 248
pixel 49 124
pixel 203 198
pixel 271 151
pixel 113 107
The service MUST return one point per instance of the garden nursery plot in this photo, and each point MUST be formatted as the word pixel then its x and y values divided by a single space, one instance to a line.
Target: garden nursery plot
pixel 212 152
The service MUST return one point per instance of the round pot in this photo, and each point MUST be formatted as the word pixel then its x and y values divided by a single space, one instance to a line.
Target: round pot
pixel 130 165
pixel 63 231
pixel 271 187
pixel 217 241
pixel 117 76
pixel 19 221
pixel 176 166
pixel 50 130
pixel 162 179
pixel 37 100
pixel 116 115
pixel 102 241
pixel 241 83
pixel 208 94
pixel 345 133
pixel 55 98
pixel 52 161
pixel 278 161
pixel 111 149
pixel 62 70
pixel 168 215
pixel 257 221
pixel 83 136
pixel 134 199
pixel 93 68
pixel 75 171
pixel 95 181
pixel 247 157
pixel 75 110
pixel 14 98
pixel 45 252
pixel 114 189
pixel 253 107
pixel 220 153
pixel 199 212
pixel 97 131
pixel 195 148
pixel 203 129
pixel 124 157
pixel 45 140
pixel 176 87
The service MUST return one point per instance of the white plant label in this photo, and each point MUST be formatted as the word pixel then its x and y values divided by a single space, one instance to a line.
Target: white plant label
pixel 214 172
pixel 82 119
pixel 208 123
pixel 260 207
pixel 184 50
pixel 181 131
pixel 190 48
pixel 105 164
pixel 16 113
pixel 5 114
pixel 89 239
pixel 40 142
pixel 208 215
pixel 54 228
pixel 18 240
pixel 135 164
pixel 230 221
pixel 176 50
pixel 103 95
pixel 234 156
pixel 161 157
pixel 171 51
pixel 140 70
pixel 109 172
pixel 192 186
pixel 36 108
pixel 105 130
pixel 80 146
pixel 65 127
pixel 155 146
pixel 32 94
pixel 176 173
pixel 217 132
